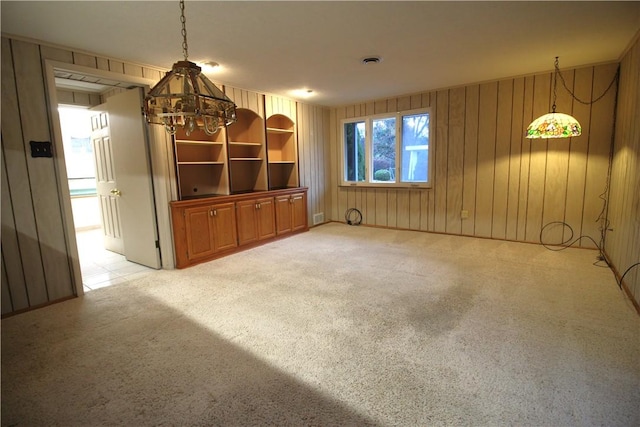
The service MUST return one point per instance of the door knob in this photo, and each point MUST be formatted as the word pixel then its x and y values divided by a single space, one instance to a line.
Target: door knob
pixel 116 192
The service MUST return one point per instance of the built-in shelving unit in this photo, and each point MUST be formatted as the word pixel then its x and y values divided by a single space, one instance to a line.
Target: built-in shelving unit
pixel 201 163
pixel 249 170
pixel 247 154
pixel 258 152
pixel 282 152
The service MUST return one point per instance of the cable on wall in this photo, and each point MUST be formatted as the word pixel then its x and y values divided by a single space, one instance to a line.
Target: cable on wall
pixel 602 217
pixel 353 216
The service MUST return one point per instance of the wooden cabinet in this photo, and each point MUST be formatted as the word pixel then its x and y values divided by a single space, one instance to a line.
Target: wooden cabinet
pixel 225 232
pixel 204 229
pixel 291 213
pixel 256 220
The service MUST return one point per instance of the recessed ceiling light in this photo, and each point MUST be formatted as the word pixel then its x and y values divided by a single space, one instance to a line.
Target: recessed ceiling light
pixel 210 67
pixel 302 93
pixel 371 60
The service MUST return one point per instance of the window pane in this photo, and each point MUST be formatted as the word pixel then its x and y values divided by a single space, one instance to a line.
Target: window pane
pixel 384 149
pixel 354 137
pixel 415 148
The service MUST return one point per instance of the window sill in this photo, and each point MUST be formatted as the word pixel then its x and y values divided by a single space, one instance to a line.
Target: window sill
pixel 403 185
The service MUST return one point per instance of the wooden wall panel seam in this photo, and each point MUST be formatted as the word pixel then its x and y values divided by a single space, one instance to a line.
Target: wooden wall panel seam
pixel 475 199
pixel 19 300
pixel 511 137
pixel 26 227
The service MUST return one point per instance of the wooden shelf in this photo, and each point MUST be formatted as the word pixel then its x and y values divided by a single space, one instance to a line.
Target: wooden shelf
pixel 282 162
pixel 253 144
pixel 194 142
pixel 242 159
pixel 200 163
pixel 279 130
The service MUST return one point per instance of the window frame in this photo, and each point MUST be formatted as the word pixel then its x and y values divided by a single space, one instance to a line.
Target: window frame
pixel 369 181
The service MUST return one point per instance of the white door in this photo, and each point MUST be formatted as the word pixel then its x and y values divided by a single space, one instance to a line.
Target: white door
pixel 133 177
pixel 106 187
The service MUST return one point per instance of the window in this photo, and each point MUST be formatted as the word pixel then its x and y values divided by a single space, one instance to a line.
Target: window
pixel 387 150
pixel 354 141
pixel 75 124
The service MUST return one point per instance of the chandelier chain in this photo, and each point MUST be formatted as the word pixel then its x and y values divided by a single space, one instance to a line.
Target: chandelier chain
pixel 555 86
pixel 564 83
pixel 185 46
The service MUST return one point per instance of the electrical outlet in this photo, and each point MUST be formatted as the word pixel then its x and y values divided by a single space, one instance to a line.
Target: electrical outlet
pixel 464 214
pixel 41 149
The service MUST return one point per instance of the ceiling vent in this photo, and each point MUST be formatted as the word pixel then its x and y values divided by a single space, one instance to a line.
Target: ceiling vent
pixel 371 60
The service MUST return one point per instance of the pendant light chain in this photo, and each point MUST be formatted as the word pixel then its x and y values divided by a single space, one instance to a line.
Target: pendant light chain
pixel 185 46
pixel 555 85
pixel 558 73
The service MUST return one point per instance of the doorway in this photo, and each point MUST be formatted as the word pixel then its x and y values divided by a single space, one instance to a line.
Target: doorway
pixel 81 85
pixel 99 267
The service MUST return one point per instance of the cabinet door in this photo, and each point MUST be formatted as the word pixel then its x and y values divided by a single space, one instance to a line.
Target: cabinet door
pixel 199 231
pixel 224 226
pixel 298 212
pixel 247 224
pixel 283 215
pixel 266 218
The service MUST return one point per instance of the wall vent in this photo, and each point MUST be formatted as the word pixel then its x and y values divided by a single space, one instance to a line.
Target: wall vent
pixel 318 218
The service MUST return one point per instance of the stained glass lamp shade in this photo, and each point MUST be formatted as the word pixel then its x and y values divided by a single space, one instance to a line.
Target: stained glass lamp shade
pixel 554 125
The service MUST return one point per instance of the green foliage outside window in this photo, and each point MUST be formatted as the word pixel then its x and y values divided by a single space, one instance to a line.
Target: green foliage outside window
pixel 382 175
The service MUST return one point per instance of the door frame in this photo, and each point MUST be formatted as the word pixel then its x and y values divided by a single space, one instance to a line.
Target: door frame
pixel 161 155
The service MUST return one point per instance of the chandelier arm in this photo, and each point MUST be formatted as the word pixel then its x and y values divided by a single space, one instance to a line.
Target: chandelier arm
pixel 564 83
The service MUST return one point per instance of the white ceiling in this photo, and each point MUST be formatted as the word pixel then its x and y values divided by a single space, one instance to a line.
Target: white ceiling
pixel 276 47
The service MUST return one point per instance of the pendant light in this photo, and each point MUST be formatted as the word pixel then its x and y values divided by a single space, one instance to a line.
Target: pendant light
pixel 185 98
pixel 554 125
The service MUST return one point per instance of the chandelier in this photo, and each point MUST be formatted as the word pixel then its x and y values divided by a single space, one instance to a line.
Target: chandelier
pixel 185 98
pixel 554 125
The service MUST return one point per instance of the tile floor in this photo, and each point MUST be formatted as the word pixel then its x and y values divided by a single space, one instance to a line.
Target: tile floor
pixel 101 267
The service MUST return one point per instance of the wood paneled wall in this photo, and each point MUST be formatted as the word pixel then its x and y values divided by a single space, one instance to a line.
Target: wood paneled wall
pixel 314 159
pixel 84 99
pixel 36 254
pixel 623 242
pixel 510 185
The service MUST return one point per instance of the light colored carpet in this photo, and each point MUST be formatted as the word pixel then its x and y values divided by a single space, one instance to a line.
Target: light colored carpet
pixel 338 326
